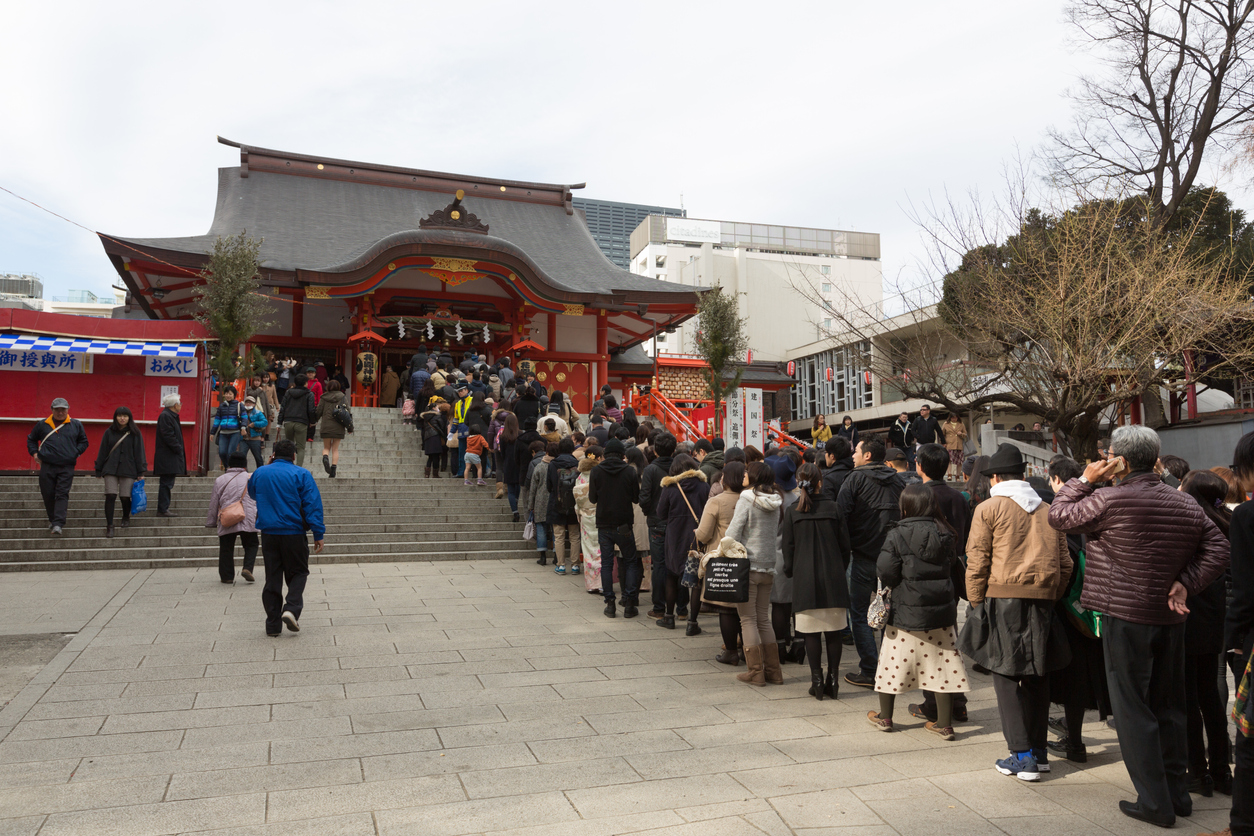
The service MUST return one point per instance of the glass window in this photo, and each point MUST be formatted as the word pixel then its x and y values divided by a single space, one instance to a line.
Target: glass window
pixel 826 269
pixel 827 323
pixel 808 235
pixel 827 287
pixel 660 261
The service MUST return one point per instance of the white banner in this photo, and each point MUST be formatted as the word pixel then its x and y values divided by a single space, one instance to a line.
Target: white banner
pixel 754 433
pixel 735 430
pixel 170 366
pixel 43 361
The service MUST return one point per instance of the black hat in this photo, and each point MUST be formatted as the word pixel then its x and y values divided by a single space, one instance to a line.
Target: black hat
pixel 895 455
pixel 1007 459
pixel 615 447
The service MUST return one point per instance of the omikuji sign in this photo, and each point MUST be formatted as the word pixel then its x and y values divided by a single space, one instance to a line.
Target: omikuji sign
pixel 170 366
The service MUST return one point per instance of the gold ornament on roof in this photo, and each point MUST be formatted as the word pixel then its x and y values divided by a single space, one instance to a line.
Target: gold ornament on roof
pixel 314 291
pixel 573 310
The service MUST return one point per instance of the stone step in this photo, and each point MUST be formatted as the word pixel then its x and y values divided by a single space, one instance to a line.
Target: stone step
pixel 200 562
pixel 143 527
pixel 209 549
pixel 449 537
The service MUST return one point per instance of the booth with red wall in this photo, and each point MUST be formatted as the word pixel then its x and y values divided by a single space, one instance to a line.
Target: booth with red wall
pixel 112 381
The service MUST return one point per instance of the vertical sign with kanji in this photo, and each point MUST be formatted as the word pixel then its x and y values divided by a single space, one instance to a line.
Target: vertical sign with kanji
pixel 735 429
pixel 754 412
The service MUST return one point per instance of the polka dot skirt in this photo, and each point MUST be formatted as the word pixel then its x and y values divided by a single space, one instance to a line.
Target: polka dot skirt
pixel 926 659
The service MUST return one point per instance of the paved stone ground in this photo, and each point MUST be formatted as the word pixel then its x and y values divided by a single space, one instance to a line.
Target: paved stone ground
pixel 467 698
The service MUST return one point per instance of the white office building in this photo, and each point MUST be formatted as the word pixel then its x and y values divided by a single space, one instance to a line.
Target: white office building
pixel 766 266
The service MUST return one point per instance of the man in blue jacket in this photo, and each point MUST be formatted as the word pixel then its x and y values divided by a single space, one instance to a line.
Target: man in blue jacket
pixel 57 442
pixel 288 504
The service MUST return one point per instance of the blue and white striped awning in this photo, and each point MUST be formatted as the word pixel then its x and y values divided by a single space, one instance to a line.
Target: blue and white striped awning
pixel 68 345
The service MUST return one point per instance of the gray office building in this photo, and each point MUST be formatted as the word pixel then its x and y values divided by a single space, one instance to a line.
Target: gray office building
pixel 612 224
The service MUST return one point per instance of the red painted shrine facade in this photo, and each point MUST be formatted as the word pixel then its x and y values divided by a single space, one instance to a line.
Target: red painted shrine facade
pixel 459 263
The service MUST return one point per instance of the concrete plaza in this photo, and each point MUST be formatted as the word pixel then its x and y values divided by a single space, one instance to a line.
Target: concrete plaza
pixel 467 698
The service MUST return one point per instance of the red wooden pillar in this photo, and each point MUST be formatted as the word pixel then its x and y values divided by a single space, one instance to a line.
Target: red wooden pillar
pixel 603 352
pixel 298 313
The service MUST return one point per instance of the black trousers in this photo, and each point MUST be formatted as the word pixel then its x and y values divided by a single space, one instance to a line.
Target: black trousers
pixel 286 559
pixel 1207 721
pixel 163 493
pixel 1023 704
pixel 1145 674
pixel 55 481
pixel 226 553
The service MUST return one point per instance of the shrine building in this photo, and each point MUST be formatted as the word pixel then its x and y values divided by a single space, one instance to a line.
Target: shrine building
pixel 457 263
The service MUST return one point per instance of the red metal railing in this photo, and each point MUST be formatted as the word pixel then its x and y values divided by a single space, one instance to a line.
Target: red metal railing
pixel 656 405
pixel 784 438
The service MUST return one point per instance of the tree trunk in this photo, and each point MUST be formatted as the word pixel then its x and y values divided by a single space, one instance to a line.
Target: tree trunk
pixel 1083 434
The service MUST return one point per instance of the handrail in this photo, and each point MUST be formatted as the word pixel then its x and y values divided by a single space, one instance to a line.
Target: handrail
pixel 657 405
pixel 786 438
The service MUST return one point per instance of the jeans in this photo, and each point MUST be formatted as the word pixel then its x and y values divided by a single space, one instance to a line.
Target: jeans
pixel 862 583
pixel 164 492
pixel 630 570
pixel 543 537
pixel 287 559
pixel 226 446
pixel 461 456
pixel 226 553
pixel 254 444
pixel 55 481
pixel 657 554
pixel 512 492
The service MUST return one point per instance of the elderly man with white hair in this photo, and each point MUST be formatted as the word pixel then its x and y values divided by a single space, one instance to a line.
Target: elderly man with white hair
pixel 170 459
pixel 1149 548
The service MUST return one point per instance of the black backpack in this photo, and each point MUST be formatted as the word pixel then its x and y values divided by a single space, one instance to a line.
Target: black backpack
pixel 343 416
pixel 566 478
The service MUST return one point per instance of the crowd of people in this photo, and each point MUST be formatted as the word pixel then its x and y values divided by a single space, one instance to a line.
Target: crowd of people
pixel 1125 586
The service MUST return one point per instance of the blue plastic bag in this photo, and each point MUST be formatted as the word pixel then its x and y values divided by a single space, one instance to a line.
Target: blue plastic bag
pixel 139 499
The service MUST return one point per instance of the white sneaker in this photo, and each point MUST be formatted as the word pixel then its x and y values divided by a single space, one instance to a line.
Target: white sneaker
pixel 290 621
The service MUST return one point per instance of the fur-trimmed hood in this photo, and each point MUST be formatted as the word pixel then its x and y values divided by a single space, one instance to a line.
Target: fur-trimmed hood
pixel 586 464
pixel 667 481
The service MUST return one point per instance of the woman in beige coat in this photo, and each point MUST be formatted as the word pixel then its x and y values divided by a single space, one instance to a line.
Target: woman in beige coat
pixel 714 521
pixel 955 441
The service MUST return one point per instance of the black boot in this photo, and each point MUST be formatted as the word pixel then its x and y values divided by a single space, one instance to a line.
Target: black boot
pixel 694 629
pixel 544 559
pixel 784 656
pixel 610 612
pixel 515 516
pixel 326 464
pixel 816 685
pixel 667 621
pixel 798 653
pixel 334 467
pixel 830 686
pixel 126 511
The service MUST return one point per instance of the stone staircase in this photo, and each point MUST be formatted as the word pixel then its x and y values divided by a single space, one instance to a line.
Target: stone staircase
pixel 378 508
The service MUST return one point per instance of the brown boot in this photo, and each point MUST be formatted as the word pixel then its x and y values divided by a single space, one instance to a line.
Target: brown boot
pixel 427 473
pixel 500 490
pixel 753 658
pixel 770 664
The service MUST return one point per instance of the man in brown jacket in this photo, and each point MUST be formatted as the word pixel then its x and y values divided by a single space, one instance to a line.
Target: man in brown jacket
pixel 1149 548
pixel 1017 567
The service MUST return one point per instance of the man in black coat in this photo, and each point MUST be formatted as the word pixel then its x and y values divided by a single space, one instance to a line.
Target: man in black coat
pixel 1239 633
pixel 57 442
pixel 868 499
pixel 614 487
pixel 926 429
pixel 169 459
pixel 297 416
pixel 838 464
pixel 650 493
pixel 598 430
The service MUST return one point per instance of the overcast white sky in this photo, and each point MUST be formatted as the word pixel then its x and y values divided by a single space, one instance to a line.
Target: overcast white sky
pixel 831 114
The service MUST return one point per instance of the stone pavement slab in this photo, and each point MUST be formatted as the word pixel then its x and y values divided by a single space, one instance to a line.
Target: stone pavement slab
pixel 464 698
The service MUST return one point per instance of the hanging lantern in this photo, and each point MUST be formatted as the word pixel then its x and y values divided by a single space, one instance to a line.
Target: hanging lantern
pixel 487 335
pixel 367 364
pixel 430 330
pixel 459 332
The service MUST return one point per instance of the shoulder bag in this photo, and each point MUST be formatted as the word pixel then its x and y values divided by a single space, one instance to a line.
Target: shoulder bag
pixel 877 610
pixel 692 564
pixel 727 574
pixel 233 514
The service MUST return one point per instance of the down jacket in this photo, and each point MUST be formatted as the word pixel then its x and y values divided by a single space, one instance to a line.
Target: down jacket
pixel 755 525
pixel 681 523
pixel 1142 537
pixel 919 564
pixel 816 555
pixel 868 498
